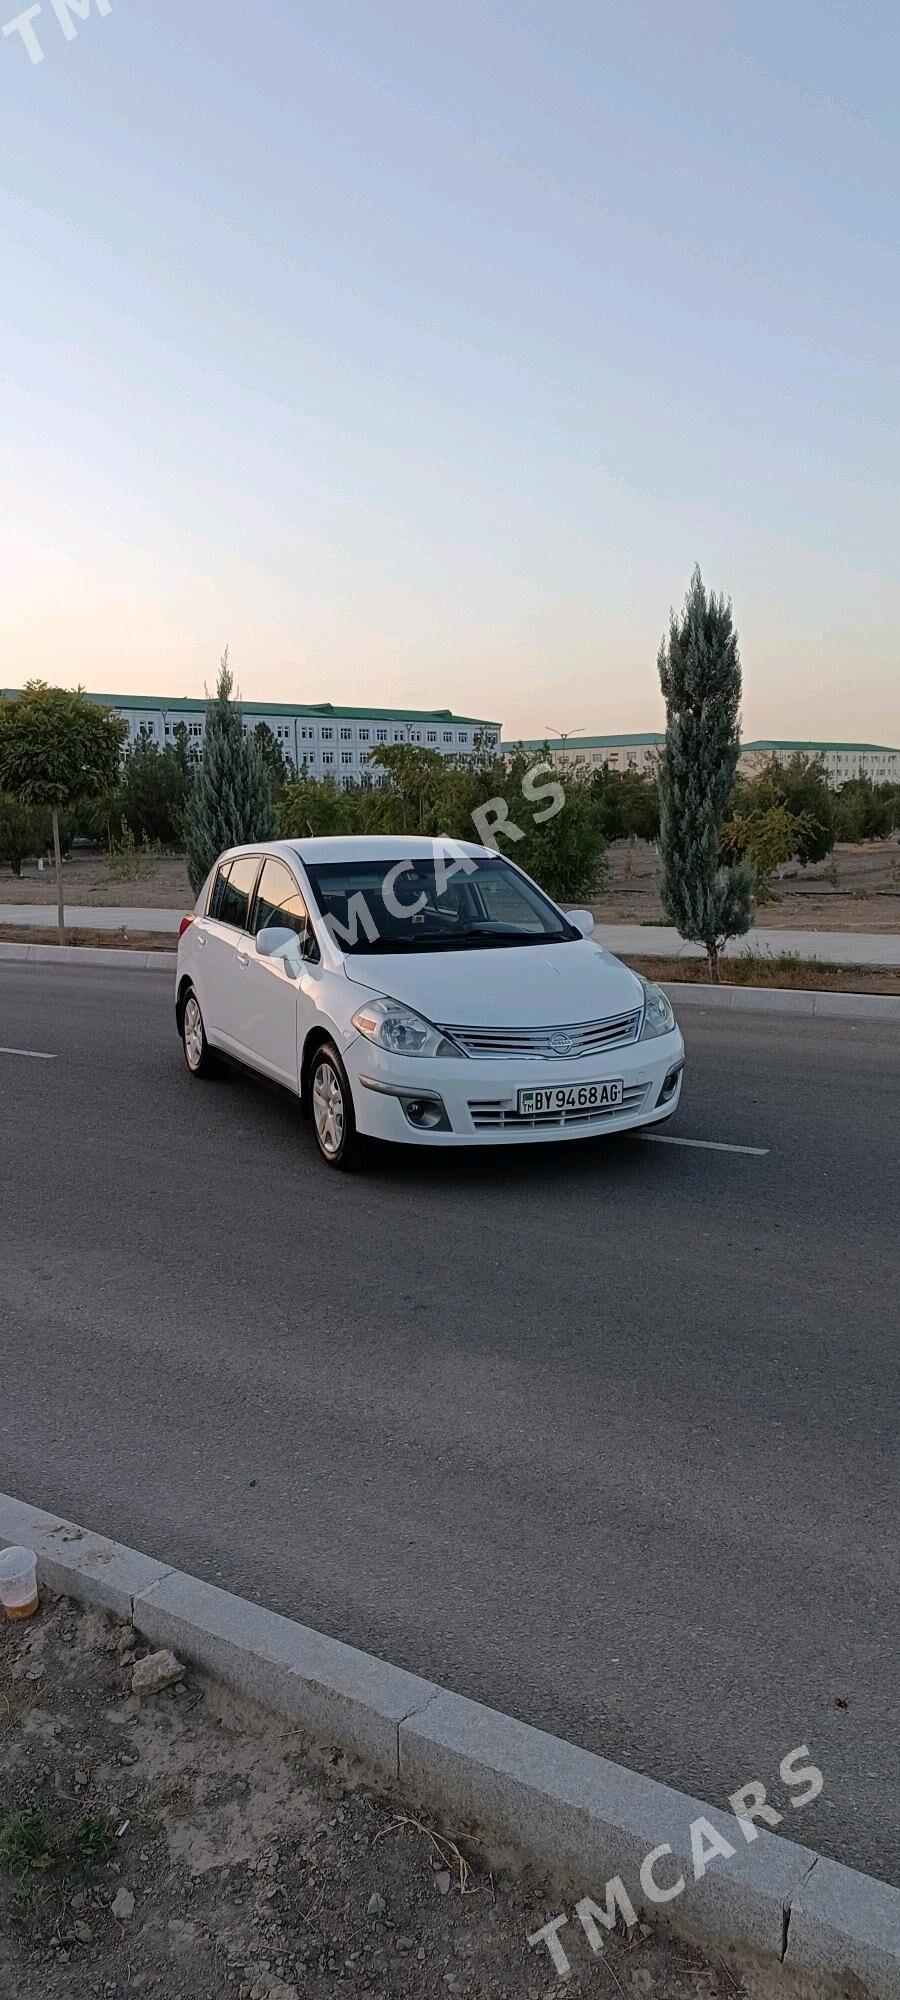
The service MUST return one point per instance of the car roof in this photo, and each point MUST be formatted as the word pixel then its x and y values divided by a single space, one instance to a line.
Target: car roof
pixel 360 847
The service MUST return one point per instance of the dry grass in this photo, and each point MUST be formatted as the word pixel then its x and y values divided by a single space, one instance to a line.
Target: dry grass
pixel 116 940
pixel 781 969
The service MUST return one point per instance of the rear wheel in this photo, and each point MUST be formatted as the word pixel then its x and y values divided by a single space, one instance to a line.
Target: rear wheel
pixel 331 1104
pixel 197 1053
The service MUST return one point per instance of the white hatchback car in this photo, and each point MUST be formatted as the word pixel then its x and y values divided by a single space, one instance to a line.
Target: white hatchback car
pixel 419 990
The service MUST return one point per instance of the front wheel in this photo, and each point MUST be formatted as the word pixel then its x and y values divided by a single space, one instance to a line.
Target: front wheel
pixel 331 1104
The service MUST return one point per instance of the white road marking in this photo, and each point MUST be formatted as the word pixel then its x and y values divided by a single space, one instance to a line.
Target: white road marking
pixel 37 1055
pixel 707 1145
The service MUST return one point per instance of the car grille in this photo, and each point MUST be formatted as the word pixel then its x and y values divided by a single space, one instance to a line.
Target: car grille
pixel 583 1038
pixel 490 1114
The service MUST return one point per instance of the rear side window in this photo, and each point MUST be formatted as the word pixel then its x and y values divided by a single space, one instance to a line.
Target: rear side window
pixel 231 902
pixel 278 901
pixel 214 901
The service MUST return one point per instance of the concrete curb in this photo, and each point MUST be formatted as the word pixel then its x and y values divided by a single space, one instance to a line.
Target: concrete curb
pixel 120 956
pixel 785 1000
pixel 561 1807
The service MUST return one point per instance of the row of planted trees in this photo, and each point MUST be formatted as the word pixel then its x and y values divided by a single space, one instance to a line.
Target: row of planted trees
pixel 63 774
pixel 721 837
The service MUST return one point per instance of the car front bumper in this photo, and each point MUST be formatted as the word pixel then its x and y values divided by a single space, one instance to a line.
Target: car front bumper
pixel 475 1098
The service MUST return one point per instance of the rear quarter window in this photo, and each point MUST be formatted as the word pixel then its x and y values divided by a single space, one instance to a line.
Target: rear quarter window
pixel 230 900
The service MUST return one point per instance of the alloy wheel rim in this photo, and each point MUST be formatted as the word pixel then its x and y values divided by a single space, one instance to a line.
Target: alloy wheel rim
pixel 328 1109
pixel 193 1033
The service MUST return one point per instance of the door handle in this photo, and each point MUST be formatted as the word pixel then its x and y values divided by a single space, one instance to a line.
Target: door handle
pixel 201 939
pixel 243 958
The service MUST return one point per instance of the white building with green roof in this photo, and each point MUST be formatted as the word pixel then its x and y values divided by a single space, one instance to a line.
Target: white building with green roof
pixel 333 742
pixel 641 752
pixel 842 761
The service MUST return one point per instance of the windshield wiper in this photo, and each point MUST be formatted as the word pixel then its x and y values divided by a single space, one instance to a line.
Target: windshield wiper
pixel 461 941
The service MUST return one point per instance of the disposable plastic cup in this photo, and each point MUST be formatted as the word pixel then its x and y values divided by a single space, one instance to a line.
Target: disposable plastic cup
pixel 18 1582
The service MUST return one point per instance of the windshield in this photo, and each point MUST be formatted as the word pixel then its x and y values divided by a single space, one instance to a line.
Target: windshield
pixel 447 902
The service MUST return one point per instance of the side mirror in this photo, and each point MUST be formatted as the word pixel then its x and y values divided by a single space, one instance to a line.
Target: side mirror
pixel 278 941
pixel 582 921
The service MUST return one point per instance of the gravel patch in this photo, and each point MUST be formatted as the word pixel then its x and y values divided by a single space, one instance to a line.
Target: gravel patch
pixel 183 1845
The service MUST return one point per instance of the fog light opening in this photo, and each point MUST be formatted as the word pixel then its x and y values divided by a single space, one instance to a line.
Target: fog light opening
pixel 425 1112
pixel 671 1084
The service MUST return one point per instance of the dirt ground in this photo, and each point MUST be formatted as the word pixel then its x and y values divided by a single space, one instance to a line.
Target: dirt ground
pixel 156 884
pixel 856 889
pixel 259 1868
pixel 107 940
pixel 806 975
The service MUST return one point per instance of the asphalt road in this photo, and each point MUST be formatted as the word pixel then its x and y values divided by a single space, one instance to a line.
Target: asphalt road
pixel 603 1435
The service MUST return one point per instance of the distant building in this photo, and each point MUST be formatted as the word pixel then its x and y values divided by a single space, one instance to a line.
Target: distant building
pixel 842 761
pixel 622 753
pixel 332 742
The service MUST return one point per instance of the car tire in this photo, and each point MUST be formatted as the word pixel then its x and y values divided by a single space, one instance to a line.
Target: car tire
pixel 198 1055
pixel 331 1108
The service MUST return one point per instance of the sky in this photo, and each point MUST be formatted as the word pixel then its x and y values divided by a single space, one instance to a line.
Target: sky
pixel 418 352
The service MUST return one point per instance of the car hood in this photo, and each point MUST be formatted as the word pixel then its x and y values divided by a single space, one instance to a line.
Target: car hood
pixel 509 986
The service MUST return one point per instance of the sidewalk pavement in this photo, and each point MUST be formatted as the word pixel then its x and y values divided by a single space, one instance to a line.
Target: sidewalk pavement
pixel 638 940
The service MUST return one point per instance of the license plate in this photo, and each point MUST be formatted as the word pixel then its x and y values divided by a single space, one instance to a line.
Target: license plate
pixel 573 1097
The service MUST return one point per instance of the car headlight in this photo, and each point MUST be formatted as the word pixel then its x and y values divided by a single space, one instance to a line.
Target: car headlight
pixel 401 1030
pixel 658 1016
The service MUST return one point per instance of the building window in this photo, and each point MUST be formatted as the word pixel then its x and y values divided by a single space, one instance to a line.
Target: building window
pixel 399 736
pixel 448 736
pixel 327 732
pixel 328 756
pixel 382 735
pixel 464 736
pixel 431 735
pixel 346 756
pixel 346 735
pixel 364 735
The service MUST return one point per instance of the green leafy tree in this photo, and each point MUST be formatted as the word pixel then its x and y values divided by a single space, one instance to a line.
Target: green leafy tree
pixel 865 811
pixel 58 749
pixel 709 899
pixel 606 786
pixel 230 800
pixel 154 788
pixel 432 795
pixel 628 803
pixel 418 795
pixel 273 757
pixel 309 808
pixel 799 790
pixel 766 839
pixel 802 786
pixel 24 831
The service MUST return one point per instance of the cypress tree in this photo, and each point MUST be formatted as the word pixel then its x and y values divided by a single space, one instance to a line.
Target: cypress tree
pixel 230 800
pixel 700 672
